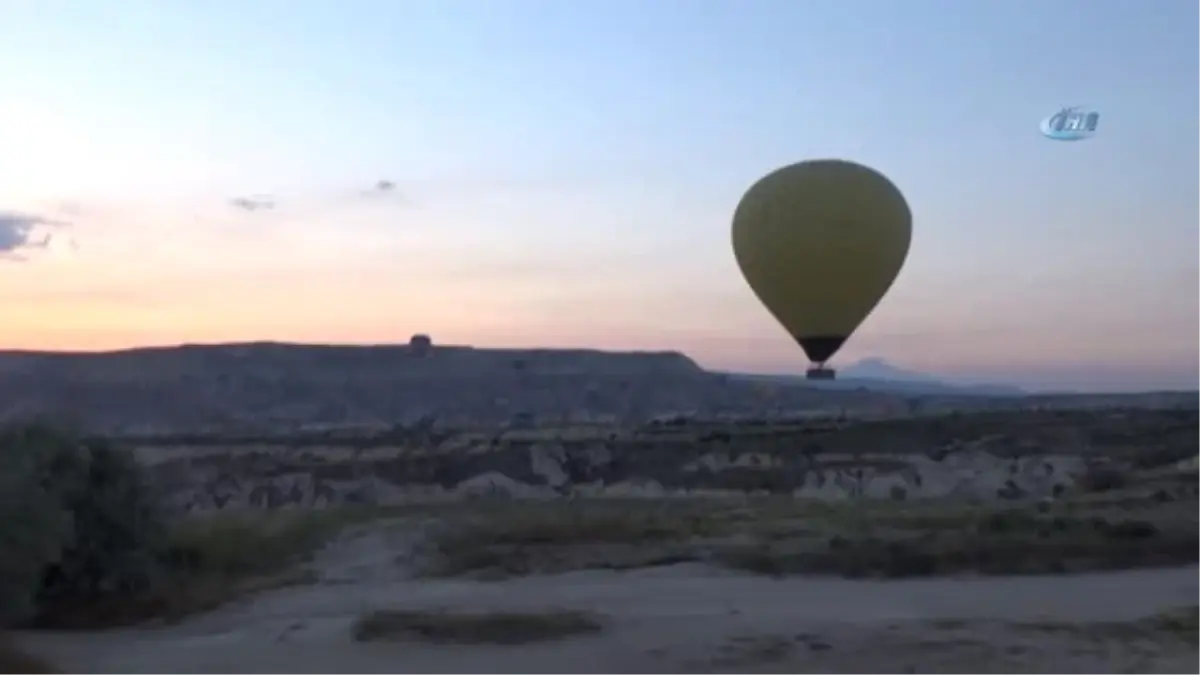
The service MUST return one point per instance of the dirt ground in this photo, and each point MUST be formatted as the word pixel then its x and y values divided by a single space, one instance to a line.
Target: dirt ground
pixel 678 618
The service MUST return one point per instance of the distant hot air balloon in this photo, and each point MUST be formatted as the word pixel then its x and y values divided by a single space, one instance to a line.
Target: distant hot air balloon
pixel 820 242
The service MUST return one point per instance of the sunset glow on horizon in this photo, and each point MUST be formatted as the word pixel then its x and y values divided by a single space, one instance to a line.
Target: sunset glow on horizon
pixel 565 173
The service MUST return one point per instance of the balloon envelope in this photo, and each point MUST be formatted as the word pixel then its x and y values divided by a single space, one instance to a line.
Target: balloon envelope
pixel 820 242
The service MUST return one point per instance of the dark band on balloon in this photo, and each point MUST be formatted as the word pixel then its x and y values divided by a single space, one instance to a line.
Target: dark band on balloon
pixel 821 347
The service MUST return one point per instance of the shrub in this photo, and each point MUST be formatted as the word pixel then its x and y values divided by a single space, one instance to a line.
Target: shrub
pixel 1103 478
pixel 77 521
pixel 33 530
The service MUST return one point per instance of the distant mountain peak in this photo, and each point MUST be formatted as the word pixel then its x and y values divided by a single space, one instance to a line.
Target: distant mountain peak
pixel 878 374
pixel 875 368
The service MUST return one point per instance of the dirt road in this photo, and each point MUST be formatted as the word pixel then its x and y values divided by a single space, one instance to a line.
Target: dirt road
pixel 685 618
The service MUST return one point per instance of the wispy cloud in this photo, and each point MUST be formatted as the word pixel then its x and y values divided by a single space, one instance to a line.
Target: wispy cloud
pixel 253 203
pixel 319 204
pixel 382 187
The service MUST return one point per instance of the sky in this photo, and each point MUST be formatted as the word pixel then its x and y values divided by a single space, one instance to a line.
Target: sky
pixel 564 174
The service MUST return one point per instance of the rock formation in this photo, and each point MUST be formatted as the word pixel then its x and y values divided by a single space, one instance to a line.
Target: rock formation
pixel 269 386
pixel 980 457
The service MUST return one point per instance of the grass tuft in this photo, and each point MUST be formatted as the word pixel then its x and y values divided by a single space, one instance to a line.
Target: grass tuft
pixel 504 628
pixel 1180 623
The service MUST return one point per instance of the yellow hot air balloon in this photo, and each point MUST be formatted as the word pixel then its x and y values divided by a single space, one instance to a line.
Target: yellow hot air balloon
pixel 820 242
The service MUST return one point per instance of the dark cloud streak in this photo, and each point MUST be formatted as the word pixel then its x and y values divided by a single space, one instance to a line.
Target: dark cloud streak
pixel 381 188
pixel 18 234
pixel 253 203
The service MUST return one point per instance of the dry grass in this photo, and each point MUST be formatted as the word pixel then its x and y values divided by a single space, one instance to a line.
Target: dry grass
pixel 513 538
pixel 215 560
pixel 13 660
pixel 174 601
pixel 1182 623
pixel 1005 542
pixel 507 628
pixel 245 544
pixel 780 537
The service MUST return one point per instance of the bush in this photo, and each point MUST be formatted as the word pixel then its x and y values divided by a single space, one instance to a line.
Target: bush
pixel 1103 478
pixel 77 522
pixel 33 530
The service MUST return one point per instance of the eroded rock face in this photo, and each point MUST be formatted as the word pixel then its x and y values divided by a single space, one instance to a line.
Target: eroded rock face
pixel 284 479
pixel 961 457
pixel 281 476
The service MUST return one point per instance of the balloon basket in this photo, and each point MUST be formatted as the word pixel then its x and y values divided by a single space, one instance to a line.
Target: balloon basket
pixel 821 373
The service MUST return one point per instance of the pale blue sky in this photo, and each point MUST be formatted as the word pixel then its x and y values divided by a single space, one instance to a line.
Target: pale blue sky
pixel 566 170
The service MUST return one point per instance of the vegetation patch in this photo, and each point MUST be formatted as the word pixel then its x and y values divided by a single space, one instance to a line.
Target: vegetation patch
pixel 213 560
pixel 516 539
pixel 505 628
pixel 779 537
pixel 1179 624
pixel 86 543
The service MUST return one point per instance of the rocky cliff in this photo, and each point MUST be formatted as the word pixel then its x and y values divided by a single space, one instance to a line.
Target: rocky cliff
pixel 272 386
pixel 251 388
